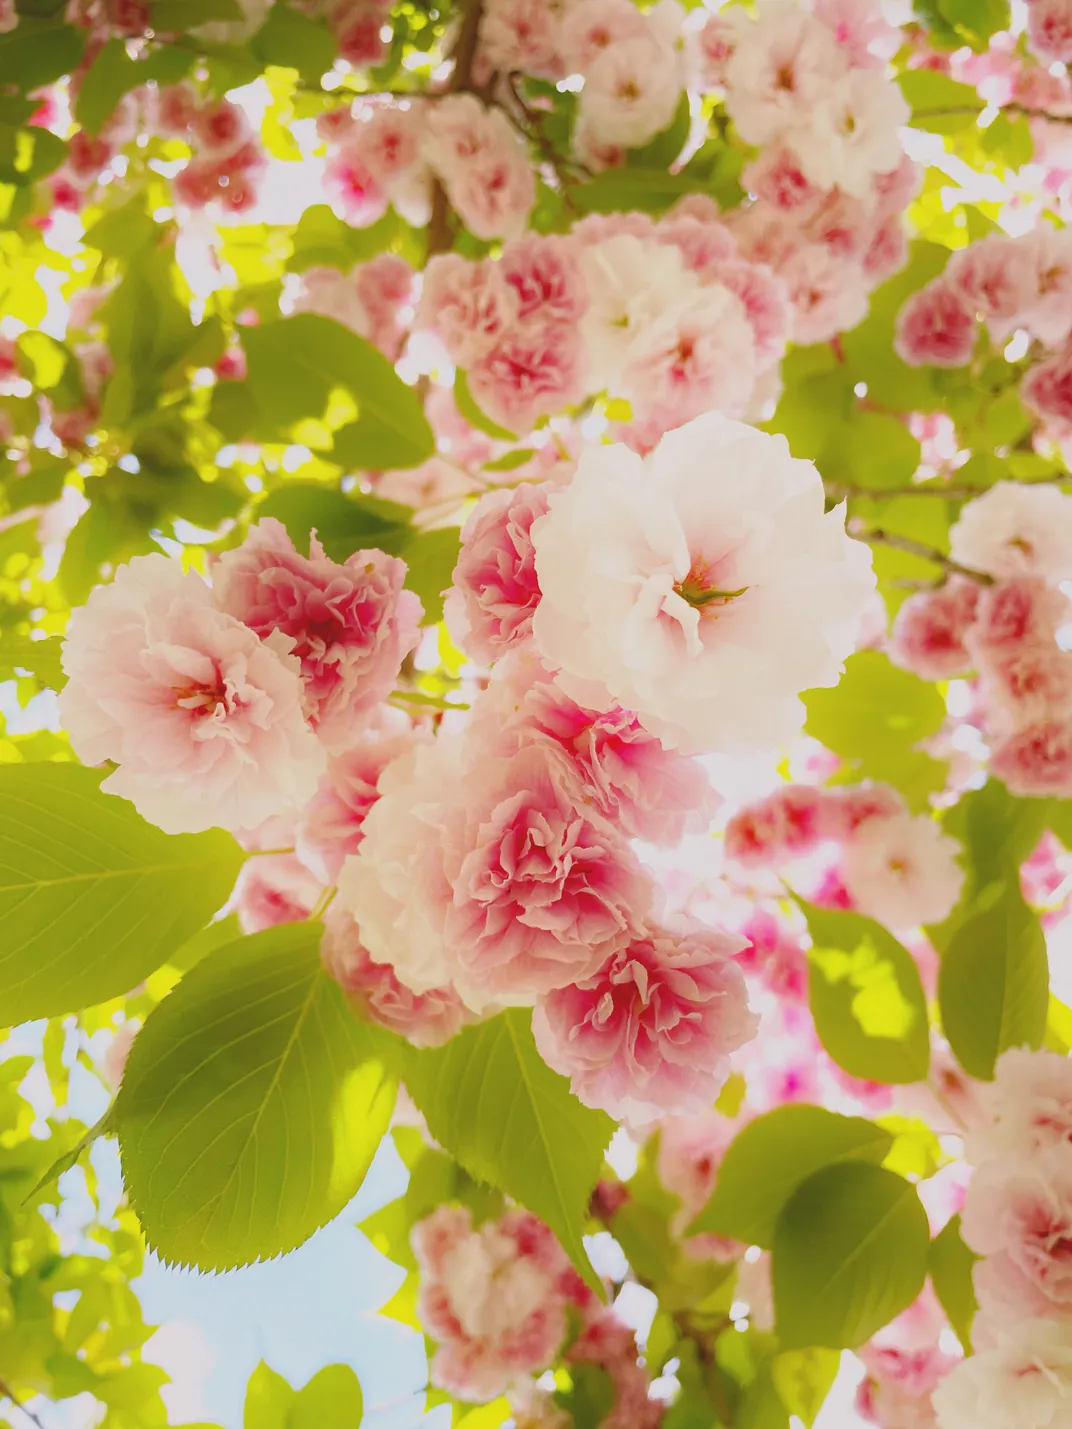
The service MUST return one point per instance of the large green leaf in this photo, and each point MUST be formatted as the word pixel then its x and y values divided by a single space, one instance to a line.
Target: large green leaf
pixel 940 104
pixel 850 1253
pixel 295 363
pixel 875 718
pixel 493 1103
pixel 772 1156
pixel 950 1265
pixel 993 983
pixel 290 39
pixel 93 898
pixel 251 1106
pixel 343 524
pixel 867 997
pixel 38 51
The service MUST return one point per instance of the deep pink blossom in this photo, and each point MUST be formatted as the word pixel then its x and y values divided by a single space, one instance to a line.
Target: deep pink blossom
pixel 784 825
pixel 929 632
pixel 935 328
pixel 546 276
pixel 1036 761
pixel 469 306
pixel 651 1031
pixel 352 625
pixel 532 372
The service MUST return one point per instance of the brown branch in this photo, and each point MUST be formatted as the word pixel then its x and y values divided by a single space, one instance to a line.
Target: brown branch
pixel 6 1392
pixel 532 129
pixel 927 553
pixel 440 235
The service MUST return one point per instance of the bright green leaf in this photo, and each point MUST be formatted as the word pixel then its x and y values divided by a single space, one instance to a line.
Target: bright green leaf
pixel 251 1106
pixel 331 1400
pixel 938 103
pixel 93 898
pixel 850 1253
pixel 173 16
pixel 950 1264
pixel 292 40
pixel 772 1156
pixel 867 997
pixel 473 414
pixel 493 1103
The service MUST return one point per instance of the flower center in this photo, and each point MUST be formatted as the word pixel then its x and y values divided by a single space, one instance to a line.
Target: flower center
pixel 695 591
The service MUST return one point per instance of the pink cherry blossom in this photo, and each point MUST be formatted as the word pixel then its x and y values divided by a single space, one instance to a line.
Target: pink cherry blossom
pixel 1015 529
pixel 469 305
pixel 929 632
pixel 784 825
pixel 766 306
pixel 385 288
pixel 631 91
pixel 274 889
pixel 495 590
pixel 1018 1214
pixel 896 1392
pixel 532 372
pixel 775 956
pixel 1048 315
pixel 607 756
pixel 351 625
pixel 203 719
pixel 660 588
pixel 935 328
pixel 426 1019
pixel 489 1297
pixel 994 278
pixel 776 177
pixel 388 141
pixel 691 1149
pixel 521 35
pixel 1028 1106
pixel 482 872
pixel 845 809
pixel 605 1341
pixel 330 826
pixel 1047 390
pixel 1016 611
pixel 1028 685
pixel 650 1032
pixel 355 193
pixel 903 870
pixel 828 295
pixel 783 63
pixel 1049 29
pixel 1023 1382
pixel 590 26
pixel 545 274
pixel 1036 761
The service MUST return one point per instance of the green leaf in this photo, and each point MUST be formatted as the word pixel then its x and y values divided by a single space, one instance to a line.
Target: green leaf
pixel 868 349
pixel 292 40
pixel 774 1155
pixel 850 1253
pixel 650 190
pixel 174 16
pixel 474 415
pixel 70 1158
pixel 874 719
pixel 876 450
pixel 331 1400
pixel 591 1395
pixel 124 231
pixel 251 1106
pixel 218 934
pixel 803 1379
pixel 294 364
pixel 268 1399
pixel 37 52
pixel 103 86
pixel 950 1264
pixel 492 1101
pixel 661 151
pixel 52 366
pixel 867 998
pixel 993 982
pixel 938 103
pixel 431 557
pixel 92 898
pixel 343 523
pixel 40 657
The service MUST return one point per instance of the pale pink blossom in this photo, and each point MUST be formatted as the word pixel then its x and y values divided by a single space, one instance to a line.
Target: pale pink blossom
pixel 388 141
pixel 630 283
pixel 1047 389
pixel 860 29
pixel 1016 530
pixel 590 26
pixel 273 889
pixel 1022 609
pixel 468 305
pixel 849 133
pixel 691 1149
pixel 1036 761
pixel 483 873
pixel 661 590
pixel 1024 1382
pixel 935 328
pixel 995 279
pixel 385 286
pixel 117 1053
pixel 887 252
pixel 1048 316
pixel 1049 29
pixel 494 194
pixel 930 628
pixel 651 1031
pixel 782 65
pixel 494 588
pixel 846 808
pixel 766 305
pixel 631 91
pixel 903 870
pixel 1028 685
pixel 611 761
pixel 828 294
pixel 521 35
pixel 330 826
pixel 203 719
pixel 532 372
pixel 355 193
pixel 426 1019
pixel 705 245
pixel 717 42
pixel 332 294
pixel 697 356
pixel 1018 1215
pixel 896 1392
pixel 545 274
pixel 784 825
pixel 1028 1106
pixel 489 1297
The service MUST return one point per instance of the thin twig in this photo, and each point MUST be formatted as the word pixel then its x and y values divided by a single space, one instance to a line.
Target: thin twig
pixel 6 1392
pixel 927 553
pixel 440 235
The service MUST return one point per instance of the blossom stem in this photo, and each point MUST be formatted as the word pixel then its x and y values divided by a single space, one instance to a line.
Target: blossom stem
pixel 927 553
pixel 323 904
pixel 268 852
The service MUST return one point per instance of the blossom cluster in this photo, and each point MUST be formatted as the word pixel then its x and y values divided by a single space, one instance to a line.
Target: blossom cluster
pixel 500 1300
pixel 1006 631
pixel 1017 1218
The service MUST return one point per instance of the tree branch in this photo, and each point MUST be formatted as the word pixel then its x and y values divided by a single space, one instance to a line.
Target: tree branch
pixel 927 553
pixel 440 237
